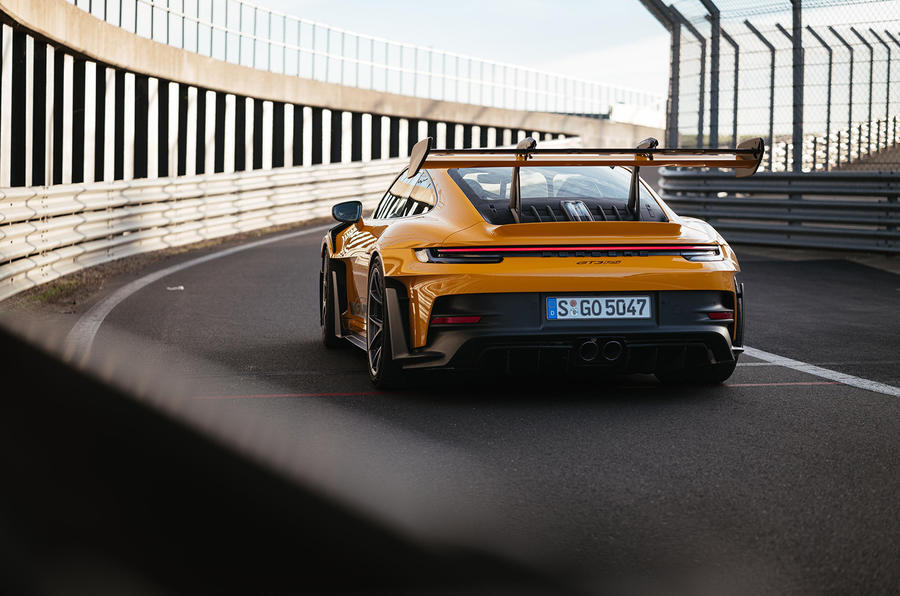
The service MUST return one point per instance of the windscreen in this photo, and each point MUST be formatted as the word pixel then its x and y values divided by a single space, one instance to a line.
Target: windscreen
pixel 548 193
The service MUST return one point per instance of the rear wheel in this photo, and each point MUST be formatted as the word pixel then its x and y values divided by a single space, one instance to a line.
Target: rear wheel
pixel 712 374
pixel 326 305
pixel 383 371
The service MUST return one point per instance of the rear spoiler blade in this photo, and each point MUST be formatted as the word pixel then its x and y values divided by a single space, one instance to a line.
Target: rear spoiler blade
pixel 745 159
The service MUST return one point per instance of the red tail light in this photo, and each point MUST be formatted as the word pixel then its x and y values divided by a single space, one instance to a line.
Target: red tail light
pixel 721 315
pixel 455 320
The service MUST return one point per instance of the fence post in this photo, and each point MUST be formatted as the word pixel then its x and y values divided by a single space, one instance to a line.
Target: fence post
pixel 887 87
pixel 196 24
pixel 328 51
pixel 268 42
pixel 769 45
pixel 849 91
pixel 871 68
pixel 828 101
pixel 675 84
pixel 799 66
pixel 702 99
pixel 715 32
pixel 255 10
pixel 893 39
pixel 212 20
pixel 734 107
pixel 797 61
pixel 839 149
pixel 343 61
pixel 859 141
pixel 670 21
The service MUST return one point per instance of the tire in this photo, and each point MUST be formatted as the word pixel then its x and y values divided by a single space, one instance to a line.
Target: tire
pixel 383 371
pixel 713 374
pixel 327 306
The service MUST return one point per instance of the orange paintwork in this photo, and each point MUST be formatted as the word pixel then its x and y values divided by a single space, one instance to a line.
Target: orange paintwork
pixel 455 222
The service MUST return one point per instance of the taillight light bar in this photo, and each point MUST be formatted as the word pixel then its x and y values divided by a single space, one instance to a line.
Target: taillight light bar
pixel 532 249
pixel 481 254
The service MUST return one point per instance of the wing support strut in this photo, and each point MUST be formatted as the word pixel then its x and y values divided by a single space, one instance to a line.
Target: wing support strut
pixel 523 151
pixel 634 193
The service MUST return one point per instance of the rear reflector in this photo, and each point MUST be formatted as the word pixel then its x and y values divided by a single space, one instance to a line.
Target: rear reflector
pixel 722 315
pixel 454 320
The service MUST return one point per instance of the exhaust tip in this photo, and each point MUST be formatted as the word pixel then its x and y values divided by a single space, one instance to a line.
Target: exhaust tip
pixel 612 350
pixel 588 350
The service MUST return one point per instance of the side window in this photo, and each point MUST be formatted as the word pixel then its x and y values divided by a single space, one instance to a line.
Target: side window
pixel 395 199
pixel 422 197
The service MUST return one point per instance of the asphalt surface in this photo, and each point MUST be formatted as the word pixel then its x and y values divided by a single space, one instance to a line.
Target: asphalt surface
pixel 777 482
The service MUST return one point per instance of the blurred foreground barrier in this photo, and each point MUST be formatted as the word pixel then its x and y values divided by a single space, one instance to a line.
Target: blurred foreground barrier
pixel 47 232
pixel 842 210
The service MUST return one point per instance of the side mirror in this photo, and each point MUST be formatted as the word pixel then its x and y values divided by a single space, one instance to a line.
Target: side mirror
pixel 347 212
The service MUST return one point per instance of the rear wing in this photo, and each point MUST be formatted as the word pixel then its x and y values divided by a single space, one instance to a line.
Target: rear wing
pixel 744 159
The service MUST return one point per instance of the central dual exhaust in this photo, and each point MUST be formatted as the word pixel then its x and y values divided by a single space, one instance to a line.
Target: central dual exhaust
pixel 591 350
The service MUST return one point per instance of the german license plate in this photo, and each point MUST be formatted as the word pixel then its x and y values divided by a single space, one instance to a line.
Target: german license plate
pixel 598 307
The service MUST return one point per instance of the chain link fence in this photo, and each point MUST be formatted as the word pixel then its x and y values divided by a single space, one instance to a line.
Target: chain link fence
pixel 734 70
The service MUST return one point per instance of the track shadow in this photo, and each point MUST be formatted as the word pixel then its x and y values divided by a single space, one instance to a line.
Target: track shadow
pixel 499 389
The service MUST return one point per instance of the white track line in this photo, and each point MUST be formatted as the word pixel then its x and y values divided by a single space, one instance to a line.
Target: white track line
pixel 825 373
pixel 81 337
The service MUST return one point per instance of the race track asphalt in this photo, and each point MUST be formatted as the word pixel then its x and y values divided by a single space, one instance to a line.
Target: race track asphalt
pixel 776 482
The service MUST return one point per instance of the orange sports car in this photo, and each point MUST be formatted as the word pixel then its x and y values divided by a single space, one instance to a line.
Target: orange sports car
pixel 524 259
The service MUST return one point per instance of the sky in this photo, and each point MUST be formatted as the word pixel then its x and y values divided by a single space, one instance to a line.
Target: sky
pixel 610 41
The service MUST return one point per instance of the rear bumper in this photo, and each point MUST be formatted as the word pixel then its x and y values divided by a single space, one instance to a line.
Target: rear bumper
pixel 515 335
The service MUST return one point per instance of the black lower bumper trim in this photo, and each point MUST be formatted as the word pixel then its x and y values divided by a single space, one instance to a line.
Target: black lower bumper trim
pixel 515 336
pixel 637 354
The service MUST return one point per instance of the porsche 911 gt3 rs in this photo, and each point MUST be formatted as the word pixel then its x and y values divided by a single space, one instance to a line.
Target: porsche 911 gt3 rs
pixel 525 259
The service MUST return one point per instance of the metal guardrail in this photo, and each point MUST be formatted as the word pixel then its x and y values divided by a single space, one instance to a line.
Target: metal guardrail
pixel 48 232
pixel 241 32
pixel 841 210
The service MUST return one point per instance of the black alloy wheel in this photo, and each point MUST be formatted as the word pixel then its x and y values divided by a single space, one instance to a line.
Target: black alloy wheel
pixel 383 371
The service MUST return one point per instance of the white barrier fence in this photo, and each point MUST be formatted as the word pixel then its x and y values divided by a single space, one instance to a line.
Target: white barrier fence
pixel 242 32
pixel 47 232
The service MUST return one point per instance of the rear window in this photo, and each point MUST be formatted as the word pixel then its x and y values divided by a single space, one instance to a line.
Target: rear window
pixel 602 189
